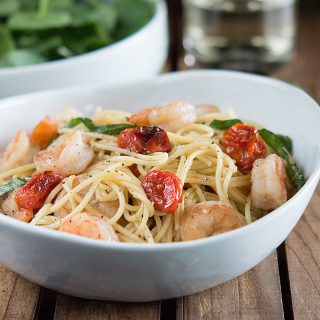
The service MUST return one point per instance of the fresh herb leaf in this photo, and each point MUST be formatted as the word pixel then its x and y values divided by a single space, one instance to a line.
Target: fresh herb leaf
pixel 286 141
pixel 86 121
pixel 296 176
pixel 113 129
pixel 12 185
pixel 109 129
pixel 282 146
pixel 275 143
pixel 224 124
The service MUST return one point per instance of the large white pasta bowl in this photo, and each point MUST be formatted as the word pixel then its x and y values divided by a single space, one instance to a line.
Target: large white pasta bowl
pixel 136 272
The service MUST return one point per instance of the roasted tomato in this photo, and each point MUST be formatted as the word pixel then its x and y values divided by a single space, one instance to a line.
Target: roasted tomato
pixel 34 193
pixel 134 169
pixel 144 140
pixel 44 132
pixel 243 144
pixel 164 189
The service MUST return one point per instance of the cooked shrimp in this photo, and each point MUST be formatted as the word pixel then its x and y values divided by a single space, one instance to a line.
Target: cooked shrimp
pixel 9 207
pixel 66 114
pixel 203 109
pixel 68 155
pixel 18 152
pixel 107 209
pixel 170 117
pixel 208 218
pixel 268 177
pixel 89 225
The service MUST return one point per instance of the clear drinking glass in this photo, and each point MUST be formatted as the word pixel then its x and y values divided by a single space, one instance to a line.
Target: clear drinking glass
pixel 249 35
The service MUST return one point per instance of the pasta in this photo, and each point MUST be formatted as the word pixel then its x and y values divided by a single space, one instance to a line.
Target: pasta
pixel 113 185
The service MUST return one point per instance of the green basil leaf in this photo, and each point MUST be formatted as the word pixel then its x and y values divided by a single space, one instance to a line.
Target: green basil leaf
pixel 296 176
pixel 282 146
pixel 224 124
pixel 12 185
pixel 113 129
pixel 109 129
pixel 286 141
pixel 86 121
pixel 273 141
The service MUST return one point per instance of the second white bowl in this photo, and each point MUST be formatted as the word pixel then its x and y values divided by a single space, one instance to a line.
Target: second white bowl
pixel 136 57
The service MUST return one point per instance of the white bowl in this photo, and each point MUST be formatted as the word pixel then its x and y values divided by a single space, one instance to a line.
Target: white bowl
pixel 138 272
pixel 136 57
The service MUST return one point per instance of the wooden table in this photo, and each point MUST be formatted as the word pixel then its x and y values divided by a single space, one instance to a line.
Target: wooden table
pixel 284 285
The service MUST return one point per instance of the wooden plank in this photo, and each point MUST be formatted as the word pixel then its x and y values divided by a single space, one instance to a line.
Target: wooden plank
pixel 254 295
pixel 303 256
pixel 69 308
pixel 18 297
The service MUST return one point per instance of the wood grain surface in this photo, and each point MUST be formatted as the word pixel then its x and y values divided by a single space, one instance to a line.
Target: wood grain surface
pixel 18 297
pixel 254 295
pixel 263 292
pixel 68 308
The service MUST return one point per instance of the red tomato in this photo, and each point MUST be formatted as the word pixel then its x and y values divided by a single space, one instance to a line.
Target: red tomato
pixel 44 132
pixel 34 193
pixel 144 140
pixel 164 189
pixel 134 169
pixel 243 144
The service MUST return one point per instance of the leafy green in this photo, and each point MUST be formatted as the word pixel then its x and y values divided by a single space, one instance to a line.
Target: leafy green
pixel 282 146
pixel 6 42
pixel 31 21
pixel 8 7
pixel 287 142
pixel 20 58
pixel 109 129
pixel 296 176
pixel 224 124
pixel 56 29
pixel 12 185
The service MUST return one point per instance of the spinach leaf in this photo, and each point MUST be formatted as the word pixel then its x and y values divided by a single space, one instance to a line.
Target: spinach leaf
pixel 8 7
pixel 224 124
pixel 46 30
pixel 12 185
pixel 20 58
pixel 109 129
pixel 282 146
pixel 6 42
pixel 31 21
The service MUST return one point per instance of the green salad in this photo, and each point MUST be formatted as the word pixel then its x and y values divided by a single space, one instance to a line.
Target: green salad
pixel 35 31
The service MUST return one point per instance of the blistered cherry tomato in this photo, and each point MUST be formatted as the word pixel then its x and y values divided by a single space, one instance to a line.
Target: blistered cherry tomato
pixel 44 132
pixel 144 140
pixel 164 189
pixel 134 169
pixel 34 193
pixel 243 144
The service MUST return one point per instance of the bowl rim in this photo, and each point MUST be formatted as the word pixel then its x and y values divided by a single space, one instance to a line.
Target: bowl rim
pixel 159 11
pixel 124 246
